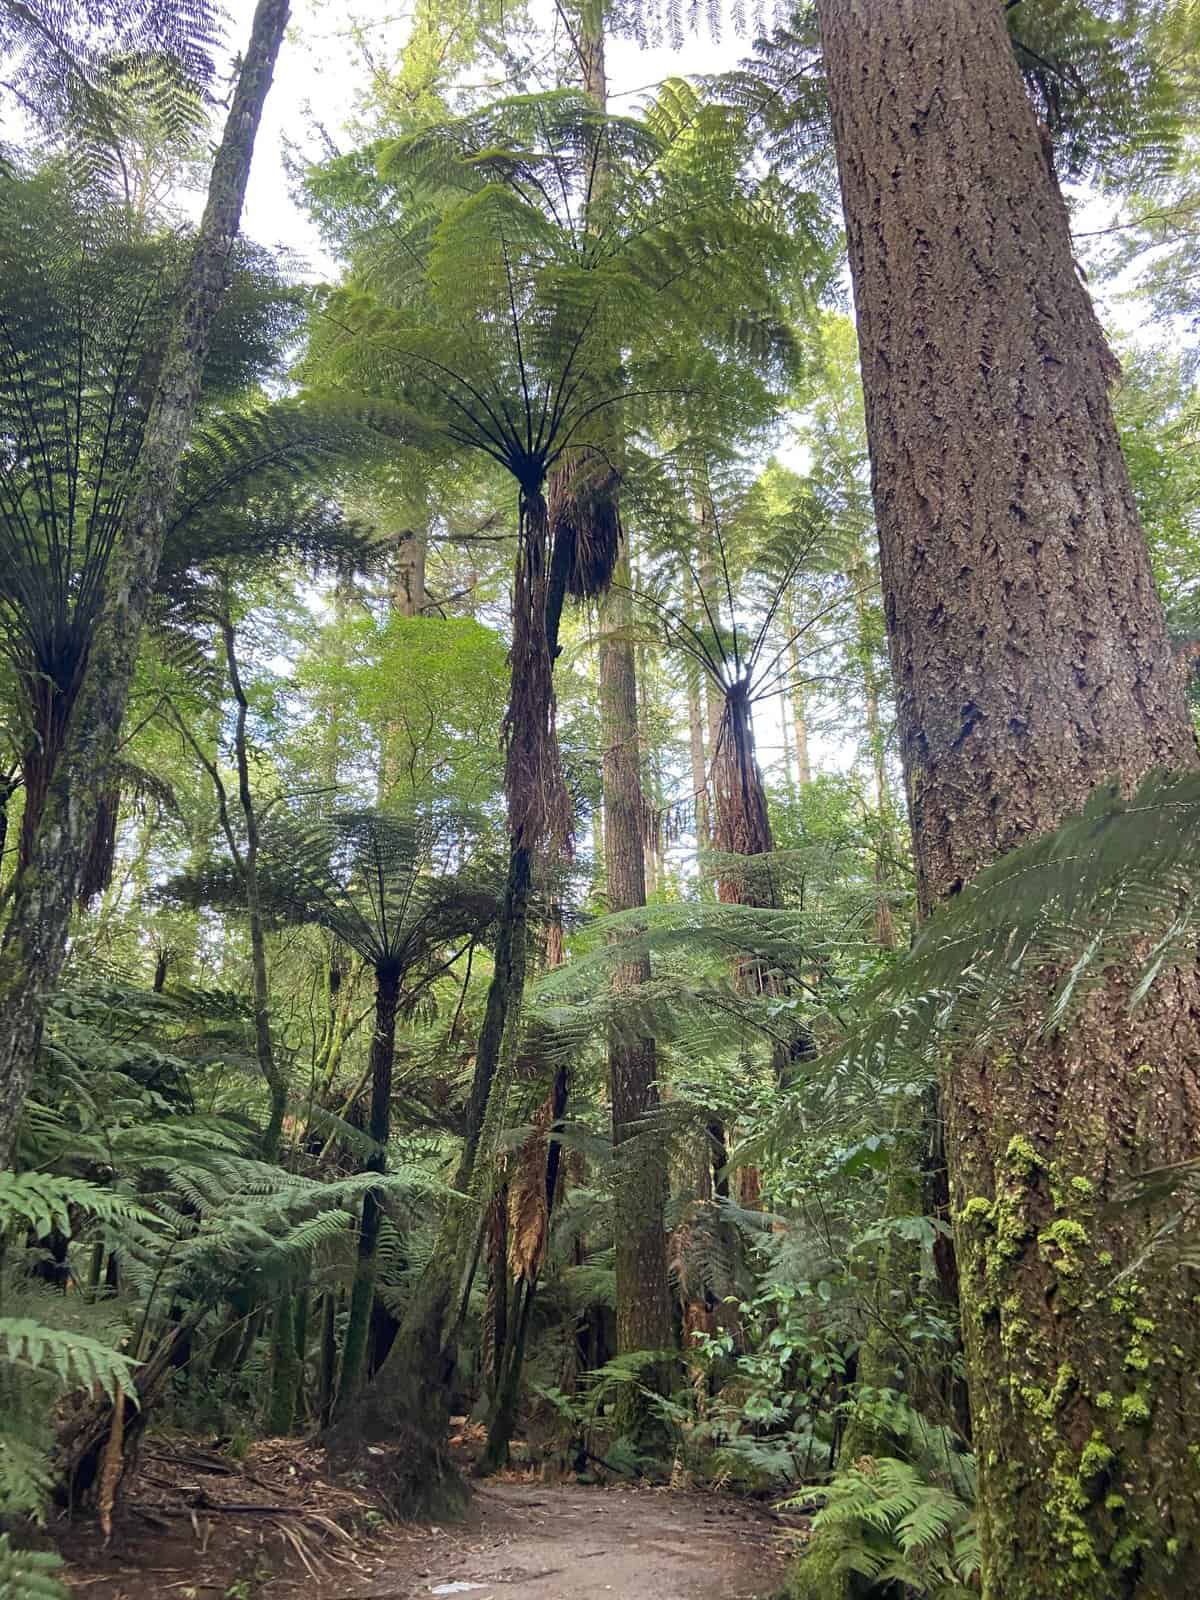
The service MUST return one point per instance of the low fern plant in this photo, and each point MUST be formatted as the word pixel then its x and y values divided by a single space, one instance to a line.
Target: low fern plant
pixel 48 1347
pixel 887 1530
pixel 28 1574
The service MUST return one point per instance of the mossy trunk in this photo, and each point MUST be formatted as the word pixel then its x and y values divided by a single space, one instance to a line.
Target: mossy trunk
pixel 35 936
pixel 1031 664
pixel 383 1055
pixel 285 1368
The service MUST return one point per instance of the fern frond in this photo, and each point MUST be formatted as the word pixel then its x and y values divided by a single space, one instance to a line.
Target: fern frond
pixel 73 1357
pixel 43 1201
pixel 29 1574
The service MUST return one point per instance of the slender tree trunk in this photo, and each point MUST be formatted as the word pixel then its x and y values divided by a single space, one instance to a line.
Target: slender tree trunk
pixel 512 1358
pixel 408 599
pixel 1031 663
pixel 643 1300
pixel 409 1404
pixel 383 1055
pixel 885 847
pixel 643 1293
pixel 408 585
pixel 263 1043
pixel 285 1367
pixel 34 944
pixel 696 750
pixel 799 716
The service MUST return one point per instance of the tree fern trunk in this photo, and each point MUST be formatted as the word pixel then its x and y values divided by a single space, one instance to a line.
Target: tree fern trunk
pixel 1031 664
pixel 34 944
pixel 383 1055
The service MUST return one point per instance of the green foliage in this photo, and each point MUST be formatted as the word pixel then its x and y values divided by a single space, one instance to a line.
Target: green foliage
pixel 28 1574
pixel 885 1522
pixel 365 876
pixel 577 268
pixel 72 1357
pixel 44 1201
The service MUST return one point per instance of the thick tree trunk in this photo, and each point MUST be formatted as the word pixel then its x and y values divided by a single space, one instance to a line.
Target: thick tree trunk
pixel 643 1299
pixel 1031 663
pixel 34 945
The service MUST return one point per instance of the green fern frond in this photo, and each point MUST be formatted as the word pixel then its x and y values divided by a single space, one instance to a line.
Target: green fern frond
pixel 29 1574
pixel 43 1201
pixel 26 1478
pixel 73 1357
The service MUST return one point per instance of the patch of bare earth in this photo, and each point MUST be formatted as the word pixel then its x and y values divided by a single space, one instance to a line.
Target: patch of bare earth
pixel 565 1542
pixel 195 1526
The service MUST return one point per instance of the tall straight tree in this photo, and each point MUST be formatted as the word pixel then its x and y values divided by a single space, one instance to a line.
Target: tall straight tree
pixel 1031 664
pixel 35 938
pixel 643 1293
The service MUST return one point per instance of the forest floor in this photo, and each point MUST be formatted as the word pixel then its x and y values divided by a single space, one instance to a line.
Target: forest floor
pixel 197 1527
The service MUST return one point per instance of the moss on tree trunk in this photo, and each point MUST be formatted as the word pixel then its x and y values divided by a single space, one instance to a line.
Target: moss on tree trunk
pixel 35 936
pixel 1031 663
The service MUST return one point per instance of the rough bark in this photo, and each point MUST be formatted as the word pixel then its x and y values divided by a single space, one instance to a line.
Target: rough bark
pixel 699 763
pixel 503 1420
pixel 1031 663
pixel 643 1300
pixel 643 1293
pixel 408 583
pixel 34 945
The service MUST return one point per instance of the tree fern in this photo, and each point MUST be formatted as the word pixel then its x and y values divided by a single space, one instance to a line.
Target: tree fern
pixel 890 1525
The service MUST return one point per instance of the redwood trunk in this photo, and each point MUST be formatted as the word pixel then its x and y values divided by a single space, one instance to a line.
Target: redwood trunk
pixel 1031 663
pixel 34 946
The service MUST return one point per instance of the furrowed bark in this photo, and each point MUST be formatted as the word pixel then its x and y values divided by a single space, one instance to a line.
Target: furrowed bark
pixel 34 945
pixel 643 1297
pixel 643 1291
pixel 1031 663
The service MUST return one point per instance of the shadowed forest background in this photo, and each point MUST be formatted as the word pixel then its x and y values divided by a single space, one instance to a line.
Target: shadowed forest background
pixel 598 780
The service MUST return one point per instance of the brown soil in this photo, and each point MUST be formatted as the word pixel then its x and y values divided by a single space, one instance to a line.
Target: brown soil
pixel 565 1542
pixel 195 1527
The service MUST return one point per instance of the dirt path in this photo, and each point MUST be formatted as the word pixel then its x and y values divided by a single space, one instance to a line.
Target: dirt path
pixel 552 1542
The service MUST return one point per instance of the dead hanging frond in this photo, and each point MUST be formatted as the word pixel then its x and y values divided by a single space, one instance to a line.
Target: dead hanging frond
pixel 539 809
pixel 585 523
pixel 96 873
pixel 149 793
pixel 528 1200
